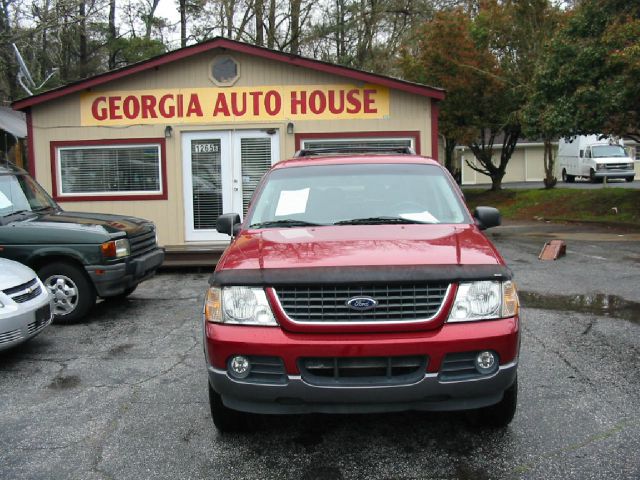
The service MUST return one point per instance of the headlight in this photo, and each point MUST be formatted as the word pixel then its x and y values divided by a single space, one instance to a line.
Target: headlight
pixel 239 306
pixel 115 248
pixel 600 166
pixel 484 300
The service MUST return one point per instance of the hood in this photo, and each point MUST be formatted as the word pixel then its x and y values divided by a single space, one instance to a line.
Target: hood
pixel 360 245
pixel 13 274
pixel 72 227
pixel 111 223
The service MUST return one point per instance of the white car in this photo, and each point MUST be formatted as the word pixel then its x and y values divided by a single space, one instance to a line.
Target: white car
pixel 25 305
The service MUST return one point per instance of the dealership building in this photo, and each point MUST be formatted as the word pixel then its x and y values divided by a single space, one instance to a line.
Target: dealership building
pixel 186 136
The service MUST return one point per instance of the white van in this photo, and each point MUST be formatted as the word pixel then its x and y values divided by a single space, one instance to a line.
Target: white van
pixel 594 157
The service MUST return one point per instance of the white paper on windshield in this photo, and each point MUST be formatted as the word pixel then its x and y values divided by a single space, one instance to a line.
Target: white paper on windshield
pixel 292 202
pixel 4 201
pixel 420 217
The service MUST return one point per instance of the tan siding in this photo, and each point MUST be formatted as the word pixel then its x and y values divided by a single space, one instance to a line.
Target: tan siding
pixel 59 120
pixel 515 168
pixel 535 163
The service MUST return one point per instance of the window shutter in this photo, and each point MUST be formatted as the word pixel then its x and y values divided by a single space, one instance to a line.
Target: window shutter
pixel 255 155
pixel 207 187
pixel 110 169
pixel 372 143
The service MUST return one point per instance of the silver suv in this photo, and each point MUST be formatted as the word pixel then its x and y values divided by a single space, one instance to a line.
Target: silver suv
pixel 25 305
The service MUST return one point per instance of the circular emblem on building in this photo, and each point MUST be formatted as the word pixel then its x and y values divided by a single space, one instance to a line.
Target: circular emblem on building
pixel 361 304
pixel 224 70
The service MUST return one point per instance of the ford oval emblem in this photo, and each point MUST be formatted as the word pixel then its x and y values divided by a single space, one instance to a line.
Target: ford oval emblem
pixel 361 304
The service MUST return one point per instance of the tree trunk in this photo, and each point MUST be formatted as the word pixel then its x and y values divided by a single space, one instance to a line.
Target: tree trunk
pixel 549 165
pixel 449 149
pixel 6 55
pixel 83 57
pixel 259 13
pixel 229 10
pixel 295 26
pixel 183 23
pixel 271 28
pixel 113 50
pixel 148 21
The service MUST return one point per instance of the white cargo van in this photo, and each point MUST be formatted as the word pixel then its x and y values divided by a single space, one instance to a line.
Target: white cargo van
pixel 594 157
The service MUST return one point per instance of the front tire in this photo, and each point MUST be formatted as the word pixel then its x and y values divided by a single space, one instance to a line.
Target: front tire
pixel 629 179
pixel 500 414
pixel 224 418
pixel 72 292
pixel 566 178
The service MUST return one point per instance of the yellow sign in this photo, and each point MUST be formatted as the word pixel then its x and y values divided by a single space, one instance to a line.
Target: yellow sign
pixel 242 104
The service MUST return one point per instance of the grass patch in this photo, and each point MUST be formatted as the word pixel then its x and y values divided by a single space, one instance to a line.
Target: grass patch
pixel 565 204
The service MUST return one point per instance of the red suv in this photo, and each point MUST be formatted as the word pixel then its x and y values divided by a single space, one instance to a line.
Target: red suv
pixel 360 283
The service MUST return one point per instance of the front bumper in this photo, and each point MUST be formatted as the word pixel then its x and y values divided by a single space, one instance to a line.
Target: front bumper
pixel 429 392
pixel 22 321
pixel 111 280
pixel 298 396
pixel 614 173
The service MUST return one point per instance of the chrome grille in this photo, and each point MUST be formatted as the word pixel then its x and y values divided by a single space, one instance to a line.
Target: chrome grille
pixel 24 292
pixel 395 302
pixel 143 243
pixel 363 370
pixel 616 166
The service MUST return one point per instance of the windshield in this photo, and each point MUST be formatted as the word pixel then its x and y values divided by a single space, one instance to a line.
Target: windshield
pixel 600 151
pixel 20 193
pixel 356 194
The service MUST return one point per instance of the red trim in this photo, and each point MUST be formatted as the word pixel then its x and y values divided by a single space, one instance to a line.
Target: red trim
pixel 240 47
pixel 53 146
pixel 31 155
pixel 408 133
pixel 435 112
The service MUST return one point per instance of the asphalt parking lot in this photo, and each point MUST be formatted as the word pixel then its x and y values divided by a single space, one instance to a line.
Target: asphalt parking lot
pixel 123 395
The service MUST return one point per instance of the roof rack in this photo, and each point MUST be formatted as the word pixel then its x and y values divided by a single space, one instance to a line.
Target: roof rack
pixel 345 150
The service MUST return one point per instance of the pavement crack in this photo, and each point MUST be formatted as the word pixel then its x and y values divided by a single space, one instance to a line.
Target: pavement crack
pixel 591 439
pixel 589 327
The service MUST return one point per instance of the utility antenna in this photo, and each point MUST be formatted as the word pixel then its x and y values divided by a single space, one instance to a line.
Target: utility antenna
pixel 24 76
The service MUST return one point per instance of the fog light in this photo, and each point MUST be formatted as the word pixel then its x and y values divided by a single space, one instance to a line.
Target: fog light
pixel 239 367
pixel 486 362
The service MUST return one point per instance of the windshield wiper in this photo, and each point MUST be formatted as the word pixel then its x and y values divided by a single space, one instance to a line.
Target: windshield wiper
pixel 376 221
pixel 285 223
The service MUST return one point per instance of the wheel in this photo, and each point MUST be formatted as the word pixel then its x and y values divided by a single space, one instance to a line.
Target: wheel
pixel 592 176
pixel 123 295
pixel 500 414
pixel 224 418
pixel 566 178
pixel 72 291
pixel 629 179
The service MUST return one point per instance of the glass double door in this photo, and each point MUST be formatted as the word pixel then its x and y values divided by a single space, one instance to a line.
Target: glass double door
pixel 221 171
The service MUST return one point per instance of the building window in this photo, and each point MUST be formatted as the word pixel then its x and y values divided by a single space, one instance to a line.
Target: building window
pixel 118 170
pixel 371 143
pixel 363 140
pixel 224 71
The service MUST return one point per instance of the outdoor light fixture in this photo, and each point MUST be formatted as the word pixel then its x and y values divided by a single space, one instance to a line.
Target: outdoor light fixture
pixel 290 128
pixel 168 131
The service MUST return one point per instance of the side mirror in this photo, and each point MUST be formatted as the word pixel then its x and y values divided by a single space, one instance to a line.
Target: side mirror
pixel 228 223
pixel 487 217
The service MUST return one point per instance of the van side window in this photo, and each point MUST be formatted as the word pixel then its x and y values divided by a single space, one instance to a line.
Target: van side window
pixel 581 153
pixel 588 153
